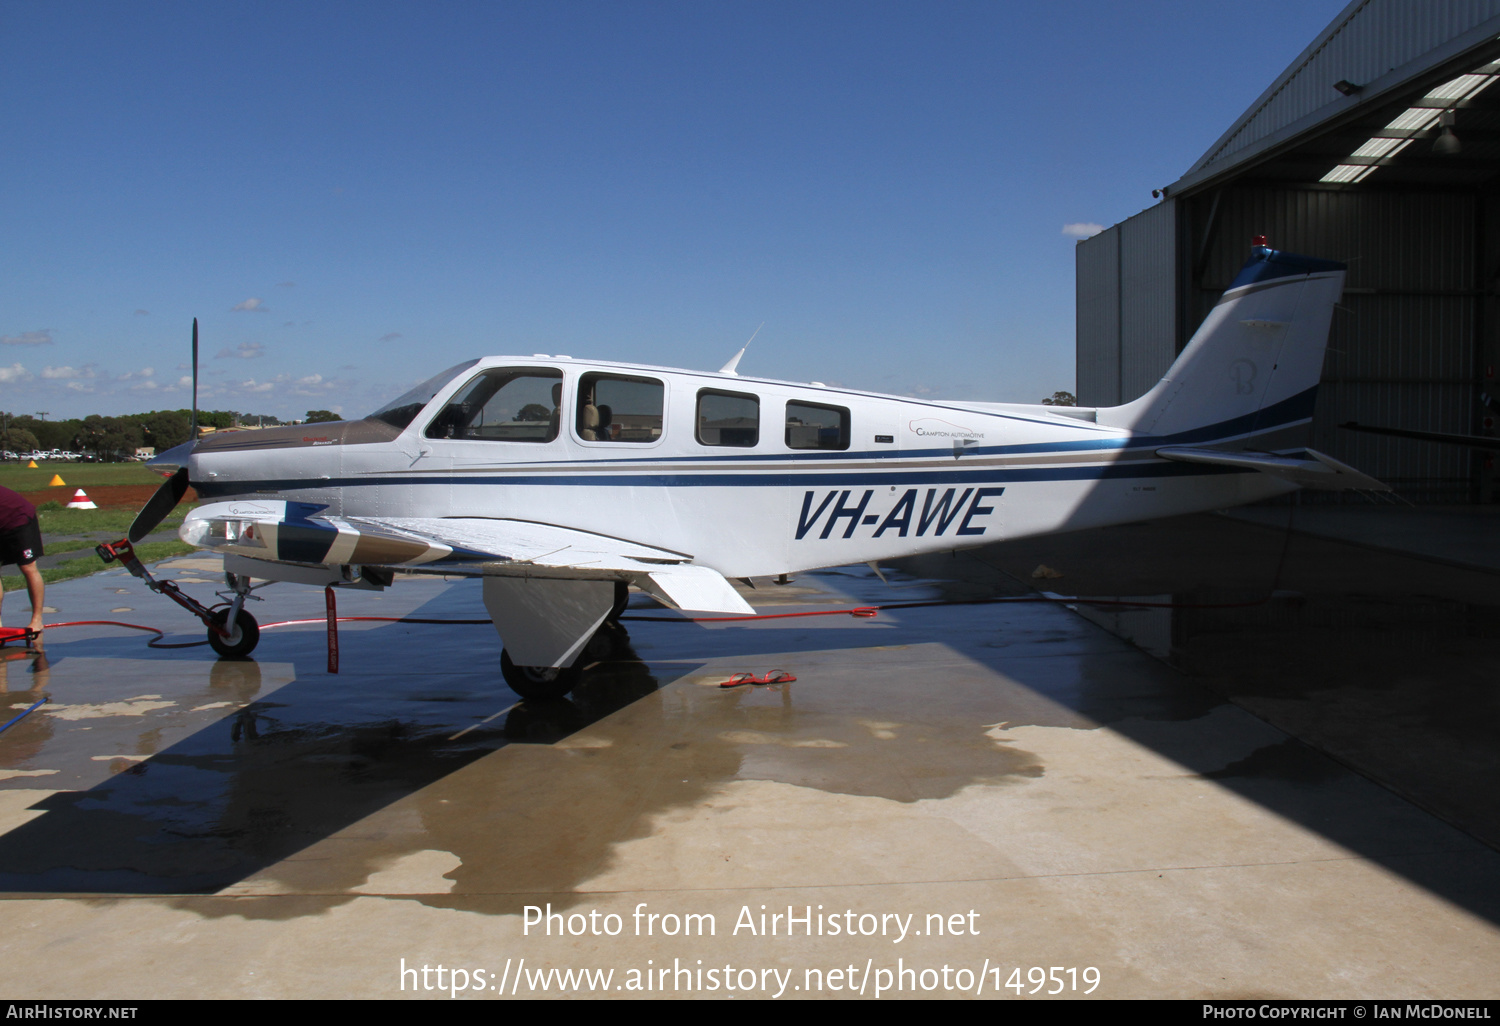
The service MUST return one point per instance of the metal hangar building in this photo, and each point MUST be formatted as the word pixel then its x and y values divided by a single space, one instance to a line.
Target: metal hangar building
pixel 1378 146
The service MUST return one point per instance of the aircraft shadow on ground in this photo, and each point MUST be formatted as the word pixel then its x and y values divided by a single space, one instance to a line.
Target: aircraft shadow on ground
pixel 308 760
pixel 293 766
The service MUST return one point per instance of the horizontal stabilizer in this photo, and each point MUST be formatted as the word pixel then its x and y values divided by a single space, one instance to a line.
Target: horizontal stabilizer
pixel 1321 472
pixel 1448 437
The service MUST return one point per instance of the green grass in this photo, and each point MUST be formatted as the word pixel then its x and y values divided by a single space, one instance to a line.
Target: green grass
pixel 18 478
pixel 68 569
pixel 54 520
pixel 57 548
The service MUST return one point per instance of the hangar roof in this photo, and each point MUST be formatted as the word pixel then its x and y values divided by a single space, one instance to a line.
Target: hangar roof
pixel 1366 93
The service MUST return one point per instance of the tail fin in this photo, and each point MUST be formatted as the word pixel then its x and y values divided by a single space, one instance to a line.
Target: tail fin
pixel 1252 369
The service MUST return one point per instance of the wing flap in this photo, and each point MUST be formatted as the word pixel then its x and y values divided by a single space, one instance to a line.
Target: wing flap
pixel 696 588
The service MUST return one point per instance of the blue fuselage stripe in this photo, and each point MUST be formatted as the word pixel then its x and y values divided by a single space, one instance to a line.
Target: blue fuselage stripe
pixel 612 479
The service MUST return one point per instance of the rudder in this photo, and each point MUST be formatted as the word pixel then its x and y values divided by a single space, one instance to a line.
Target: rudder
pixel 1252 368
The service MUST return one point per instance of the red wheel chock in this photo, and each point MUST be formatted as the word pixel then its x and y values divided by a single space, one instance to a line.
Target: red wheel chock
pixel 22 634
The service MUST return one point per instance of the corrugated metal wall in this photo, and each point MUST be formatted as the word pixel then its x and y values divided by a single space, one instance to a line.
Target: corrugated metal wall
pixel 1097 291
pixel 1402 350
pixel 1367 40
pixel 1127 307
pixel 1148 298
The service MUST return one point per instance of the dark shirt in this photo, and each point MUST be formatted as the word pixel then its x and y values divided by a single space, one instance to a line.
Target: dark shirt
pixel 15 511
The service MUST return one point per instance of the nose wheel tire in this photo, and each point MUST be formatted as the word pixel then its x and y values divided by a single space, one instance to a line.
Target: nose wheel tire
pixel 539 682
pixel 243 637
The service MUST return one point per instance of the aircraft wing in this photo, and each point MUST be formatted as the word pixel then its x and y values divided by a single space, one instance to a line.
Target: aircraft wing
pixel 302 534
pixel 1318 471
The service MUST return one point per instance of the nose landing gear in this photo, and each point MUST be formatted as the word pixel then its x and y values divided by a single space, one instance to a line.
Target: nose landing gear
pixel 232 632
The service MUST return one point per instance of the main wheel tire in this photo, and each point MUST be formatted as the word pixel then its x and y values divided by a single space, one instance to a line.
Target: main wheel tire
pixel 539 682
pixel 608 642
pixel 242 639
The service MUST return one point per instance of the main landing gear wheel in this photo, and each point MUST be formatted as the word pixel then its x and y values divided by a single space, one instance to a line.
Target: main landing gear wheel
pixel 539 682
pixel 242 638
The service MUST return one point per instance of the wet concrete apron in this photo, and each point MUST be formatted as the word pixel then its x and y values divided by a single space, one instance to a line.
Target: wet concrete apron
pixel 1029 788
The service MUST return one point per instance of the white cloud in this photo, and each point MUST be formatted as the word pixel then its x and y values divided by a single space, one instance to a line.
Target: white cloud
pixel 28 338
pixel 251 305
pixel 15 372
pixel 314 385
pixel 253 386
pixel 68 373
pixel 1082 229
pixel 244 351
pixel 186 381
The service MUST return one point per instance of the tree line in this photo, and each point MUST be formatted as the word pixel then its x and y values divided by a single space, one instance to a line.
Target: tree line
pixel 107 438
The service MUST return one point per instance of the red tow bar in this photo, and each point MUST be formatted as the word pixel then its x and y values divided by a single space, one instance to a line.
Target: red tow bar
pixel 123 552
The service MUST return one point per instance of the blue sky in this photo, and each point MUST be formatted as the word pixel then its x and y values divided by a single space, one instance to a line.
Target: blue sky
pixel 351 196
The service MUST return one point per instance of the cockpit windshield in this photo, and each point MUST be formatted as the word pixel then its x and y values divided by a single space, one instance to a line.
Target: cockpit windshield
pixel 400 411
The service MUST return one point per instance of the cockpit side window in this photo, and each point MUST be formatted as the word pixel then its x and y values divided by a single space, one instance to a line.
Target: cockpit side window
pixel 813 426
pixel 728 418
pixel 616 408
pixel 401 411
pixel 504 404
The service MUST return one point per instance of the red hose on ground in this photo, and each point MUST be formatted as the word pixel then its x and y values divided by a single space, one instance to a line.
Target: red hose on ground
pixel 864 612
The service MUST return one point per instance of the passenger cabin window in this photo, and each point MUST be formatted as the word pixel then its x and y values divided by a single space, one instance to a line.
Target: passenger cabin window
pixel 504 404
pixel 810 426
pixel 728 418
pixel 615 408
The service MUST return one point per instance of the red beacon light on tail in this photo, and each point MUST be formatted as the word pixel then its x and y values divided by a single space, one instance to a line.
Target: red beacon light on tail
pixel 1260 240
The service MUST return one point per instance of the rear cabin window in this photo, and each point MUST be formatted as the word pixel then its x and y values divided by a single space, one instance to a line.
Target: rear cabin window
pixel 505 404
pixel 615 408
pixel 728 418
pixel 810 426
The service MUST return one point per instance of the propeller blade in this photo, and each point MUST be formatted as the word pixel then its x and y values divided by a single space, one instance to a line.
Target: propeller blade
pixel 163 502
pixel 194 436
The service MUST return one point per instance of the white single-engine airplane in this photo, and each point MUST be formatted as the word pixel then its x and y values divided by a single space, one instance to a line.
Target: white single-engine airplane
pixel 560 482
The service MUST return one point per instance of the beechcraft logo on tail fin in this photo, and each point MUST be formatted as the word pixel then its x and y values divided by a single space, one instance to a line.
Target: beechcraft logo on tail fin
pixel 913 514
pixel 1243 373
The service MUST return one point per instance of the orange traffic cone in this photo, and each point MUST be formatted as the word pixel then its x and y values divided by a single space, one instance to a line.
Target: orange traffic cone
pixel 56 481
pixel 81 501
pixel 31 465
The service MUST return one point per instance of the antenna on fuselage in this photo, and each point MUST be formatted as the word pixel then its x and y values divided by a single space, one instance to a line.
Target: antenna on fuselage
pixel 734 361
